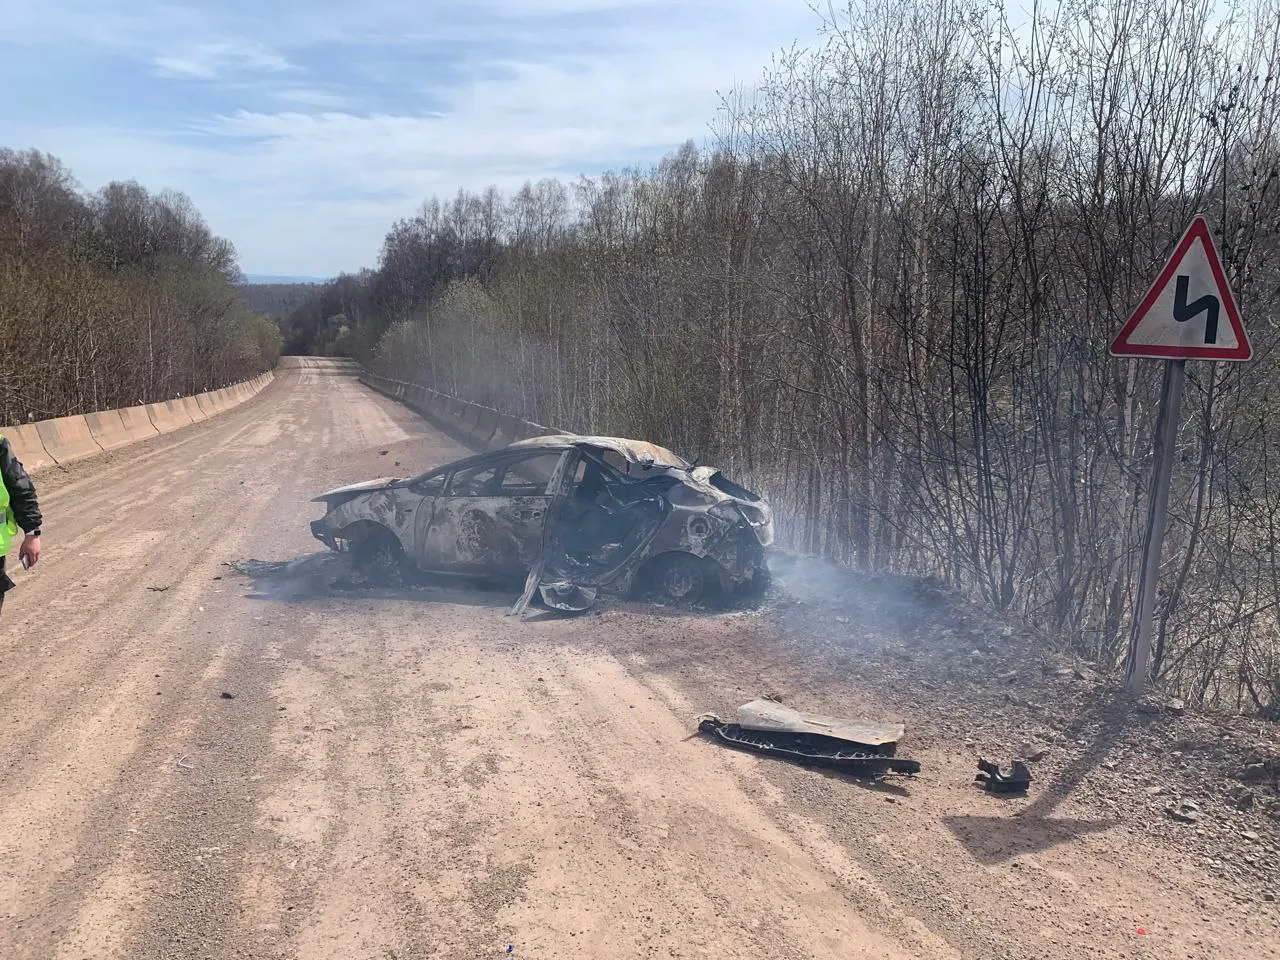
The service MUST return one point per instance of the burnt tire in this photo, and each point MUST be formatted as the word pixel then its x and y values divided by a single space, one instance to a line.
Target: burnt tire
pixel 378 557
pixel 759 584
pixel 679 578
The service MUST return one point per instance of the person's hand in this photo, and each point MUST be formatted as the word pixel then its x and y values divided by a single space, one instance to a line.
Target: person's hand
pixel 30 550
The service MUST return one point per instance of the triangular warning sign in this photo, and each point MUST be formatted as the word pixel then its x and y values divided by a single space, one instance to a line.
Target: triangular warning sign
pixel 1189 312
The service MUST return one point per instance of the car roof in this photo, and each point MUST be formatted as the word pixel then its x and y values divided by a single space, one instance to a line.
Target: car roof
pixel 633 451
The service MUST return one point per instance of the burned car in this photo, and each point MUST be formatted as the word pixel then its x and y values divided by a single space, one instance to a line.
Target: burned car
pixel 575 515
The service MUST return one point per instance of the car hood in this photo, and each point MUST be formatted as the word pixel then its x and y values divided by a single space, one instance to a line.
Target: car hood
pixel 364 486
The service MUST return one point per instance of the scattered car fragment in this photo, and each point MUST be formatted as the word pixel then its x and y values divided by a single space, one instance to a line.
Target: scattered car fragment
pixel 769 727
pixel 588 515
pixel 995 780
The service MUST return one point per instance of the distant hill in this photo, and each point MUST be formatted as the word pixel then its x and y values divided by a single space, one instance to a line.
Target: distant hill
pixel 263 278
pixel 275 299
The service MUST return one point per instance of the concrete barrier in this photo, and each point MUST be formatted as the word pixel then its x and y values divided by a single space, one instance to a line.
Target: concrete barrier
pixel 67 439
pixel 485 426
pixel 481 425
pixel 213 402
pixel 107 429
pixel 168 416
pixel 192 406
pixel 137 424
pixel 24 441
pixel 507 431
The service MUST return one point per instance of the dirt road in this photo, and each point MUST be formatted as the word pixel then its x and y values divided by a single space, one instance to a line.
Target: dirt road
pixel 193 767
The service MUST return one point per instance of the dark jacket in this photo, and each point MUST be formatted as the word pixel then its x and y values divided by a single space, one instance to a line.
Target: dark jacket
pixel 22 492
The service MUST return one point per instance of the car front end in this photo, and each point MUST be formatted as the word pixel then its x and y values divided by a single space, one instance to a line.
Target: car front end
pixel 722 522
pixel 346 506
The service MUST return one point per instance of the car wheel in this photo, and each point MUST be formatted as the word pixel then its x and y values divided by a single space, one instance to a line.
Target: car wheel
pixel 759 584
pixel 678 578
pixel 378 557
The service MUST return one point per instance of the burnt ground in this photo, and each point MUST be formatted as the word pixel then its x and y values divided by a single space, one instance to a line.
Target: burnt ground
pixel 1208 783
pixel 195 763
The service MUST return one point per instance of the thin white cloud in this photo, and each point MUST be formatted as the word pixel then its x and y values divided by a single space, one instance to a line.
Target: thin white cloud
pixel 313 97
pixel 208 61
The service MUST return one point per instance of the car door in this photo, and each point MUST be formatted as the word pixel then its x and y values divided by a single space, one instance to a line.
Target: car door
pixel 604 523
pixel 490 517
pixel 428 490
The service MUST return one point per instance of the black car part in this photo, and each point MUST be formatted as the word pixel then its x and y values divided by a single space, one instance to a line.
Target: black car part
pixel 813 749
pixel 995 780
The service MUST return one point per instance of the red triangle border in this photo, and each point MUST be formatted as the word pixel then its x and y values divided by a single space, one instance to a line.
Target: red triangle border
pixel 1120 347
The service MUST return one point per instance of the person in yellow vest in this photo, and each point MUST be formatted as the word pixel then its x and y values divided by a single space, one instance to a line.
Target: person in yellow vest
pixel 18 508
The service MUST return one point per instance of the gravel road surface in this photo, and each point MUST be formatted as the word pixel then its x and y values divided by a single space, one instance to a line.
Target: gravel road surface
pixel 196 764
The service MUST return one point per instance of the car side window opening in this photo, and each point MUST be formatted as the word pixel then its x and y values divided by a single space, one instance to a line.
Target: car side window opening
pixel 477 481
pixel 631 469
pixel 589 482
pixel 529 477
pixel 523 477
pixel 615 460
pixel 430 487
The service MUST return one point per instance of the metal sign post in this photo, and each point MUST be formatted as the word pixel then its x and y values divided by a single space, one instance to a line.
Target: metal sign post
pixel 1172 326
pixel 1139 660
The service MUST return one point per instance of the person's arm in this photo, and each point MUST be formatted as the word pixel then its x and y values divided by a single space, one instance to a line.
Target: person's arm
pixel 22 501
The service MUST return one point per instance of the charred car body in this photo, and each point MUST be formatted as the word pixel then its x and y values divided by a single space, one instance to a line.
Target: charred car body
pixel 585 514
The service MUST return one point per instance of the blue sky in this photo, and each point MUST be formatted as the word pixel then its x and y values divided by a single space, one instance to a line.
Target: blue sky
pixel 302 130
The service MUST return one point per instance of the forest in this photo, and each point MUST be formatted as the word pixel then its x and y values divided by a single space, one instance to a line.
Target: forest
pixel 114 298
pixel 883 294
pixel 276 300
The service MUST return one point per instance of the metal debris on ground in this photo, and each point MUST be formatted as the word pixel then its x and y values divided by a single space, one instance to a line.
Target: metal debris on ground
pixel 995 779
pixel 767 726
pixel 566 596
